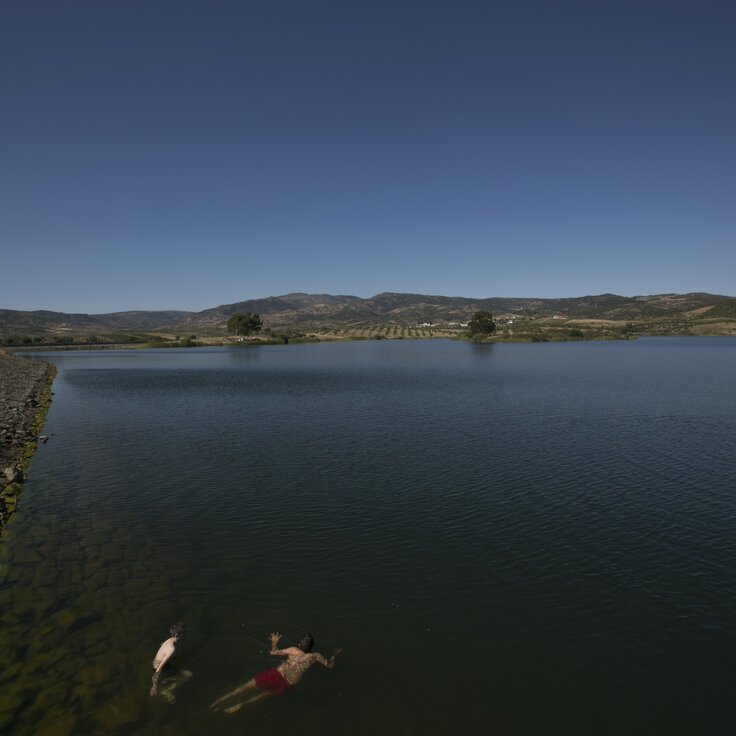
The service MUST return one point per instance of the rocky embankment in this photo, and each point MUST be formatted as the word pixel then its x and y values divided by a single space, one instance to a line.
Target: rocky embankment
pixel 25 393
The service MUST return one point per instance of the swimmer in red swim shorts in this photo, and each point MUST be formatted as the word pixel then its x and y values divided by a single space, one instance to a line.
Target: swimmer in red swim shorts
pixel 279 680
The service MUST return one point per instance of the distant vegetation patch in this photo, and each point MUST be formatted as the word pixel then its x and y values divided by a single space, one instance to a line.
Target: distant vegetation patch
pixel 53 340
pixel 389 332
pixel 724 308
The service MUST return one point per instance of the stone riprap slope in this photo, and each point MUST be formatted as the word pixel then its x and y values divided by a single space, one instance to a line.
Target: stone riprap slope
pixel 24 395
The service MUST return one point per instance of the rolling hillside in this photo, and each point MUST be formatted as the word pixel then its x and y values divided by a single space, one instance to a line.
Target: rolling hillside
pixel 325 311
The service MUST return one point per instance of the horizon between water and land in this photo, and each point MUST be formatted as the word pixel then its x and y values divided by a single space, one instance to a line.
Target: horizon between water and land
pixel 515 538
pixel 323 317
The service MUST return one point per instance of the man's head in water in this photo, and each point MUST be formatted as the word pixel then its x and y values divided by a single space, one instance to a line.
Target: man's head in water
pixel 177 630
pixel 306 643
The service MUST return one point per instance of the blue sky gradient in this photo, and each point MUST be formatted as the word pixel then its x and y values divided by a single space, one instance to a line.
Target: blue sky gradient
pixel 181 155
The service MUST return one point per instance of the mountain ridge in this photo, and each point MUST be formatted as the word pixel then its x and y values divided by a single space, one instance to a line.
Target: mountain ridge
pixel 303 310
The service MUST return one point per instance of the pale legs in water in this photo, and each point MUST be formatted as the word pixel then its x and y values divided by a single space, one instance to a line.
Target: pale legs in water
pixel 279 680
pixel 171 683
pixel 250 685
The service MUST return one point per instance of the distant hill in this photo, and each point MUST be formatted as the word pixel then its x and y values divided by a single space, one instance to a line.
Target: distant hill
pixel 313 311
pixel 45 320
pixel 322 311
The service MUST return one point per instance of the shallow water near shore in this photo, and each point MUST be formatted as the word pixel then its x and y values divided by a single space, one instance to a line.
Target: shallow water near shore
pixel 510 539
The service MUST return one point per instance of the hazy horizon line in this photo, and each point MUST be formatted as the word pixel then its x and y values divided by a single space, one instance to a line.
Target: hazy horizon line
pixel 354 296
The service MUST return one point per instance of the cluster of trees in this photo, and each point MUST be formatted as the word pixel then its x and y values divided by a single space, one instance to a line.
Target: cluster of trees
pixel 113 338
pixel 482 324
pixel 244 323
pixel 22 339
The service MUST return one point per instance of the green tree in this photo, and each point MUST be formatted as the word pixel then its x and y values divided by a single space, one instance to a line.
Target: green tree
pixel 244 323
pixel 482 324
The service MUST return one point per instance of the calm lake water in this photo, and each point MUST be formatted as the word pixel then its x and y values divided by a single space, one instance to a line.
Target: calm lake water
pixel 504 539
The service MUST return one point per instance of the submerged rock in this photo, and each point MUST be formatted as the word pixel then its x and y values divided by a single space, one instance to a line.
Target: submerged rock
pixel 56 695
pixel 6 720
pixel 57 724
pixel 24 601
pixel 118 712
pixel 85 695
pixel 96 633
pixel 26 556
pixel 8 674
pixel 45 576
pixel 47 639
pixel 14 697
pixel 94 674
pixel 12 654
pixel 98 579
pixel 10 702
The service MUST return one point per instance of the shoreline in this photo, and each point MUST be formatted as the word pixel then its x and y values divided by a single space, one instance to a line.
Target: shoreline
pixel 485 340
pixel 25 397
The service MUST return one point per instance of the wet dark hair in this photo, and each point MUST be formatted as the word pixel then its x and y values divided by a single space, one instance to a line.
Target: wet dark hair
pixel 306 643
pixel 177 629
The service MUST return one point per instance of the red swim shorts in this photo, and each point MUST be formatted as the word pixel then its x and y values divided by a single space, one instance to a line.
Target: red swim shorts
pixel 273 681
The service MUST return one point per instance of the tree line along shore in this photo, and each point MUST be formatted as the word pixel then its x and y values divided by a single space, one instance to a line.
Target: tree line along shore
pixel 249 328
pixel 25 395
pixel 536 331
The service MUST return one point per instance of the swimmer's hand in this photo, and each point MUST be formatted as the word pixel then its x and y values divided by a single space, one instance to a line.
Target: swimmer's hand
pixel 275 639
pixel 331 661
pixel 154 689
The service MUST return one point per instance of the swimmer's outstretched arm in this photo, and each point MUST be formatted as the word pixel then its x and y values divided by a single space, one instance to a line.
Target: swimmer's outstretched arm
pixel 275 638
pixel 329 663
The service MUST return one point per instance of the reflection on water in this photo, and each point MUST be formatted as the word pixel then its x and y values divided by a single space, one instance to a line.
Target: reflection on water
pixel 514 538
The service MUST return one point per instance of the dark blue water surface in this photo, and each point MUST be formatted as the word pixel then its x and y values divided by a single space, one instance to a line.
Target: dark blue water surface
pixel 505 539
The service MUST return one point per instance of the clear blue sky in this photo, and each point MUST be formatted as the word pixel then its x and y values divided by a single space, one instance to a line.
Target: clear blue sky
pixel 181 155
